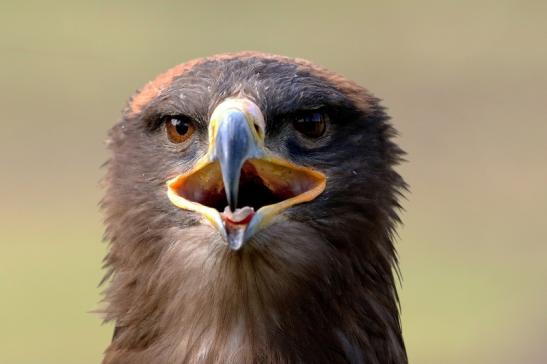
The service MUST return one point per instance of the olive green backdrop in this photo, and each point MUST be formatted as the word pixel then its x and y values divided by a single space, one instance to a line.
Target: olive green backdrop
pixel 465 82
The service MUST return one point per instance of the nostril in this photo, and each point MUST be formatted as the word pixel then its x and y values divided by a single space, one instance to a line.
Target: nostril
pixel 257 128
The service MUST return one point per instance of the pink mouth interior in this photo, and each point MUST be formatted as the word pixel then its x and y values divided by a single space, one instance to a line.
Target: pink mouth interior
pixel 261 183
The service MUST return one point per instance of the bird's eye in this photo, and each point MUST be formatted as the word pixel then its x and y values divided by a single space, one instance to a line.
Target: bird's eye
pixel 311 123
pixel 179 128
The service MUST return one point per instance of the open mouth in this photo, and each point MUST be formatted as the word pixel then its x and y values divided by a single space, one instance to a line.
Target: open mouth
pixel 266 187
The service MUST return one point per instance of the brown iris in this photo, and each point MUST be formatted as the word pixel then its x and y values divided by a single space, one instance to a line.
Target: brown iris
pixel 179 128
pixel 311 123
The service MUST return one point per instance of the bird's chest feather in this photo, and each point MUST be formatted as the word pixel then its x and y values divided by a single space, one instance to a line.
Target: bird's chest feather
pixel 209 306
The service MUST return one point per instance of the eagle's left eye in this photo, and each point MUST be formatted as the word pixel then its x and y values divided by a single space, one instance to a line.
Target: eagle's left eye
pixel 179 128
pixel 311 123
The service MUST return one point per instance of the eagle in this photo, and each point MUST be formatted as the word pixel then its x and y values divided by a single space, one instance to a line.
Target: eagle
pixel 251 202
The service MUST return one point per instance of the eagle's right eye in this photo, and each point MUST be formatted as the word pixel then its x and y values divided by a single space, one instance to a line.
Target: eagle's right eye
pixel 179 128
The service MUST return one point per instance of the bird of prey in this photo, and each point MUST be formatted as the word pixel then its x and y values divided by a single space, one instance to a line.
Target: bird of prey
pixel 250 207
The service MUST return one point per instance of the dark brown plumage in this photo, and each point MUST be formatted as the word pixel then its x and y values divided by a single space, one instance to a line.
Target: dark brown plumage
pixel 314 282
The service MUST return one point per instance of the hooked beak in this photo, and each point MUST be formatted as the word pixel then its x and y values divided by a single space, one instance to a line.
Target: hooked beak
pixel 239 186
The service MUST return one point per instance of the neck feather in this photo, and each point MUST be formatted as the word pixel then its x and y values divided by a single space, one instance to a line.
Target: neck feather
pixel 276 302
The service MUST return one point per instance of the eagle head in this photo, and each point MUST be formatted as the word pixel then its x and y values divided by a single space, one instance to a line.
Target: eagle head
pixel 250 206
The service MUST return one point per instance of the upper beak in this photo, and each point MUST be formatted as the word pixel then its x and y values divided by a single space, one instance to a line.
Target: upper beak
pixel 238 175
pixel 234 144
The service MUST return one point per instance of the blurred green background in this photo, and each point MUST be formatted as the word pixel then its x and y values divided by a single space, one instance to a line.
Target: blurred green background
pixel 465 82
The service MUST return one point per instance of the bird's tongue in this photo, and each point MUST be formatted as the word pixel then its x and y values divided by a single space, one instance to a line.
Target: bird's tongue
pixel 238 217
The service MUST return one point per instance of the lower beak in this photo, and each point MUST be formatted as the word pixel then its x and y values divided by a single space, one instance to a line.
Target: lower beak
pixel 238 186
